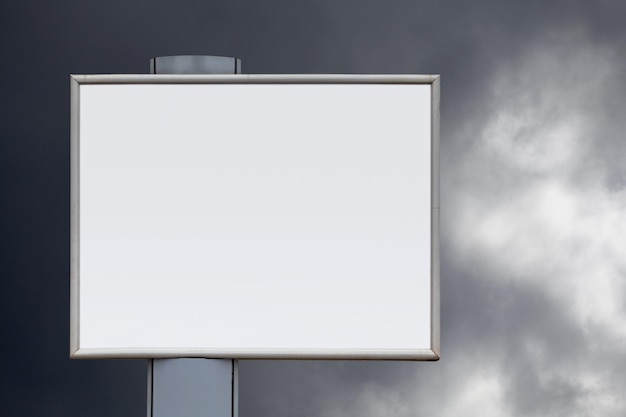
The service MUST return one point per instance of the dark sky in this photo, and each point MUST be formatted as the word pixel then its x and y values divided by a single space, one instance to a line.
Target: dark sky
pixel 533 193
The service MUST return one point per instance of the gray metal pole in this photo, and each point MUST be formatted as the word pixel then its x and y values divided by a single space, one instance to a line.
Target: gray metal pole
pixel 195 64
pixel 193 387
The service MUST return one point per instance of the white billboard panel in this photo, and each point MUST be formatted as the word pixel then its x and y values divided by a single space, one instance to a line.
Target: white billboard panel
pixel 255 217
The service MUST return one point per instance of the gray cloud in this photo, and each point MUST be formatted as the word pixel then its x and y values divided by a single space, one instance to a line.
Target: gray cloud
pixel 533 211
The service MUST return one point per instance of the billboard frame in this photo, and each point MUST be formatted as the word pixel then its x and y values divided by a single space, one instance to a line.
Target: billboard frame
pixel 431 354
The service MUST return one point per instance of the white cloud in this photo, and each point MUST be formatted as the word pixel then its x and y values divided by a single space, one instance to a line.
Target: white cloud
pixel 373 400
pixel 529 204
pixel 481 395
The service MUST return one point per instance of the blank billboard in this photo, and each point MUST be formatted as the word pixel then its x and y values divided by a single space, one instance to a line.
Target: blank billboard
pixel 255 216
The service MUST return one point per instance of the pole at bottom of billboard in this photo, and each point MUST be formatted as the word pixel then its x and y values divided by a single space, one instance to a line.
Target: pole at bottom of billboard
pixel 190 387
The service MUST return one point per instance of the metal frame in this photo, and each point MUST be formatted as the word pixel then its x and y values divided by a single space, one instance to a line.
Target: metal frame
pixel 431 354
pixel 253 79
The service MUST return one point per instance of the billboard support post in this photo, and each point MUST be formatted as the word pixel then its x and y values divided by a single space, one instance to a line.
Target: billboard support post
pixel 186 387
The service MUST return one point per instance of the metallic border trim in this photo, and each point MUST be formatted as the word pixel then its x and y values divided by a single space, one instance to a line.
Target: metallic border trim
pixel 253 79
pixel 432 354
pixel 260 353
pixel 74 216
pixel 435 202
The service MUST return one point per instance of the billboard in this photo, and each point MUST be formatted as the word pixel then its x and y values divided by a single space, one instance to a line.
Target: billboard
pixel 255 216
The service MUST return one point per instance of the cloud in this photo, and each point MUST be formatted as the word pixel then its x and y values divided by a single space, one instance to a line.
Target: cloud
pixel 529 203
pixel 533 207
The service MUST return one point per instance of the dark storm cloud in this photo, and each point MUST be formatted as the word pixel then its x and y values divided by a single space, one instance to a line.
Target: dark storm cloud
pixel 532 110
pixel 533 200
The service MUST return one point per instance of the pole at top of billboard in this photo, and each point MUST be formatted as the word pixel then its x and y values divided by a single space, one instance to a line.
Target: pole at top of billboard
pixel 190 387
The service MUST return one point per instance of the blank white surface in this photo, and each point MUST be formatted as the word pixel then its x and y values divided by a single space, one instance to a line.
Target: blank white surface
pixel 255 216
